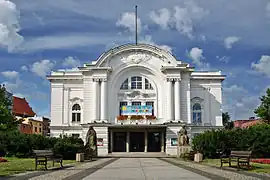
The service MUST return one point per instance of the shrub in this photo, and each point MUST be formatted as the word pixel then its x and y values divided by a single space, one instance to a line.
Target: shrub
pixel 255 138
pixel 3 160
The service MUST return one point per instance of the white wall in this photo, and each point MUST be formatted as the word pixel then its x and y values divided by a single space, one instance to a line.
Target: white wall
pixel 57 104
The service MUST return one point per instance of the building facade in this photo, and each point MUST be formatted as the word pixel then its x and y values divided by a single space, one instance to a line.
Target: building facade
pixel 137 97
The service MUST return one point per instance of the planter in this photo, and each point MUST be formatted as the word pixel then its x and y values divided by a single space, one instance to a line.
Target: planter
pixel 198 157
pixel 80 157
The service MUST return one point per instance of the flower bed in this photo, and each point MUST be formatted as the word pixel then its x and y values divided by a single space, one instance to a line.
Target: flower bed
pixel 262 161
pixel 136 117
pixel 150 117
pixel 122 118
pixel 3 160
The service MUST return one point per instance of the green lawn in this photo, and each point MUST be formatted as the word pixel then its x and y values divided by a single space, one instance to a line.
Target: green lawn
pixel 19 165
pixel 256 167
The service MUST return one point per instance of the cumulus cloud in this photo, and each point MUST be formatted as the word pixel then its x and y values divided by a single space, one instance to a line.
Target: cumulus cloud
pixel 148 40
pixel 9 25
pixel 229 41
pixel 182 18
pixel 263 66
pixel 42 68
pixel 223 59
pixel 196 54
pixel 234 89
pixel 24 68
pixel 127 20
pixel 71 62
pixel 10 74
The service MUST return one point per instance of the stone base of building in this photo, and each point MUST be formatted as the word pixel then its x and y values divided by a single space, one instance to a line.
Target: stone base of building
pixel 133 139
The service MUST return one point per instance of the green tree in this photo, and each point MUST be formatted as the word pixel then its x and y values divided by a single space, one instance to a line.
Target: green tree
pixel 7 121
pixel 263 111
pixel 226 121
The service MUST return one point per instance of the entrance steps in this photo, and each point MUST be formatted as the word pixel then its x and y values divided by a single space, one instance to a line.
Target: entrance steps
pixel 138 154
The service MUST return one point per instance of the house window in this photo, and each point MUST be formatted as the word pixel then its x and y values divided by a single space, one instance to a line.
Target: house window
pixel 197 113
pixel 136 103
pixel 39 129
pixel 35 129
pixel 150 104
pixel 148 84
pixel 124 85
pixel 136 82
pixel 120 107
pixel 76 113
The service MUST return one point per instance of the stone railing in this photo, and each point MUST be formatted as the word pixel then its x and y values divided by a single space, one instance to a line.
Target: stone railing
pixel 135 119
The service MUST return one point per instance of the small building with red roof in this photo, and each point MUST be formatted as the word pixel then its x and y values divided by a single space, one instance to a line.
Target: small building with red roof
pixel 22 108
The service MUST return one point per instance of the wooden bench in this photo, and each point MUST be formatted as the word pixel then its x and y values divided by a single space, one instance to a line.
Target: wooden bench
pixel 241 157
pixel 43 156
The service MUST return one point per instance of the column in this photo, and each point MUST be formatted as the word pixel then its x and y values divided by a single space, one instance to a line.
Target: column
pixel 95 99
pixel 127 142
pixel 103 101
pixel 188 102
pixel 169 99
pixel 111 138
pixel 177 100
pixel 162 141
pixel 145 141
pixel 66 106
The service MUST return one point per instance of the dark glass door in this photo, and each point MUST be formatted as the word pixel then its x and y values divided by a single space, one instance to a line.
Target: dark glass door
pixel 136 142
pixel 154 142
pixel 119 141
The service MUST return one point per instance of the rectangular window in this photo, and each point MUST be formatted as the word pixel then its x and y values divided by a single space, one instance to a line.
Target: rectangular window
pixel 78 117
pixel 150 104
pixel 120 106
pixel 39 129
pixel 35 129
pixel 136 103
pixel 73 117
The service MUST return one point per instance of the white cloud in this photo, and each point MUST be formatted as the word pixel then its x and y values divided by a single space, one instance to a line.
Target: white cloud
pixel 223 59
pixel 182 18
pixel 148 40
pixel 263 66
pixel 9 25
pixel 234 89
pixel 42 68
pixel 267 8
pixel 10 74
pixel 162 17
pixel 24 68
pixel 127 20
pixel 196 54
pixel 229 41
pixel 71 62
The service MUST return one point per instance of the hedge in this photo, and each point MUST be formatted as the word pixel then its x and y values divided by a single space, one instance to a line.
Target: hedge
pixel 14 143
pixel 255 138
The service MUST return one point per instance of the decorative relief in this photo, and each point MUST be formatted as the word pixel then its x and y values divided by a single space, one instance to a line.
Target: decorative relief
pixel 136 95
pixel 136 58
pixel 76 99
pixel 173 79
pixel 99 79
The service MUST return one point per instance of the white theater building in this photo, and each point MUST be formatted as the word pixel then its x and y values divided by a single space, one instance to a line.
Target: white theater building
pixel 160 92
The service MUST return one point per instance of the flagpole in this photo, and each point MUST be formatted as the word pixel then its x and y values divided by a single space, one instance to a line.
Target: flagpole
pixel 136 26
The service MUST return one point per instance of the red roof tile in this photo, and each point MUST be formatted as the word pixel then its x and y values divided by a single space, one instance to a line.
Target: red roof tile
pixel 21 107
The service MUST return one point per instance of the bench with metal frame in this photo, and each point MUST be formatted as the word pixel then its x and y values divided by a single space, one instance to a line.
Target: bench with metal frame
pixel 43 156
pixel 241 157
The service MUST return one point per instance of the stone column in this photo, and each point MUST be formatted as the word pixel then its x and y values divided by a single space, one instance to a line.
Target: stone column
pixel 188 103
pixel 177 112
pixel 169 99
pixel 145 141
pixel 127 142
pixel 95 99
pixel 103 101
pixel 162 141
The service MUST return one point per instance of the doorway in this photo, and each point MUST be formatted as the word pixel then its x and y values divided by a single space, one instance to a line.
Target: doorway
pixel 119 141
pixel 136 142
pixel 154 142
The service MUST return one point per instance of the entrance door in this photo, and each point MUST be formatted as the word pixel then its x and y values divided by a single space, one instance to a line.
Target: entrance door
pixel 154 142
pixel 119 141
pixel 136 142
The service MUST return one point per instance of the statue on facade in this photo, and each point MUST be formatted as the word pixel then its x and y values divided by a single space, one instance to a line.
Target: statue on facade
pixel 183 139
pixel 91 143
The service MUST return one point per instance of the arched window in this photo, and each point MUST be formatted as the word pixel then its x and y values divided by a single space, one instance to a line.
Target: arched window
pixel 136 82
pixel 76 113
pixel 124 85
pixel 148 84
pixel 197 113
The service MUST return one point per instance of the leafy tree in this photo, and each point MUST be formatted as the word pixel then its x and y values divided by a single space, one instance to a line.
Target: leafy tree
pixel 7 121
pixel 263 111
pixel 226 121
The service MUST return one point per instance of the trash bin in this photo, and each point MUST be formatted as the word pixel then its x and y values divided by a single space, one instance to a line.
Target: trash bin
pixel 80 157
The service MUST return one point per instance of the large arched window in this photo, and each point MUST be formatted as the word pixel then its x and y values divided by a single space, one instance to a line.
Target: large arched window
pixel 124 85
pixel 76 113
pixel 197 113
pixel 136 82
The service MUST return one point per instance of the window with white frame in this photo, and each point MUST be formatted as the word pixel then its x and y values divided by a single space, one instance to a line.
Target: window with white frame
pixel 125 84
pixel 197 113
pixel 147 84
pixel 76 113
pixel 136 82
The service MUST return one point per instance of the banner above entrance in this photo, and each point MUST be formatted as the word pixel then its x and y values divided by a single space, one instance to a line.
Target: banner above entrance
pixel 136 110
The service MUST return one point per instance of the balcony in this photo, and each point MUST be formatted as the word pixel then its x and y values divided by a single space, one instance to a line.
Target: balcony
pixel 136 119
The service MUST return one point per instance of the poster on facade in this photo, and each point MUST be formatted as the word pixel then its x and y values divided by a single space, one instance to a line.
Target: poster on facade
pixel 99 141
pixel 136 110
pixel 174 142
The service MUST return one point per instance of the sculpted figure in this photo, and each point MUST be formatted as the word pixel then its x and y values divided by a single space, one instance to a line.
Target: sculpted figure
pixel 91 143
pixel 183 139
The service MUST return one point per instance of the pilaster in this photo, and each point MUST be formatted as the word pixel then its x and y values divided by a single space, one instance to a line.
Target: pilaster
pixel 177 110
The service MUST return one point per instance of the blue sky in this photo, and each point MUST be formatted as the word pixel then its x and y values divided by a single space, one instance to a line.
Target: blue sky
pixel 40 36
